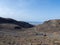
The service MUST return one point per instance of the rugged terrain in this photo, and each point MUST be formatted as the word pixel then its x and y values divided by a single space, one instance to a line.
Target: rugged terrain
pixel 47 33
pixel 20 24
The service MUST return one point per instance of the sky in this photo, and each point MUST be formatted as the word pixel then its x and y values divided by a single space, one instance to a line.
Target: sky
pixel 30 10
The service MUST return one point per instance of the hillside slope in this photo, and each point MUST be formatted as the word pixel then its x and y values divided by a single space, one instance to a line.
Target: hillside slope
pixel 11 23
pixel 47 33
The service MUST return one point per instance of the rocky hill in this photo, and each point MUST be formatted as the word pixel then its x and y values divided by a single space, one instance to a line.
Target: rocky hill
pixel 49 26
pixel 47 33
pixel 13 24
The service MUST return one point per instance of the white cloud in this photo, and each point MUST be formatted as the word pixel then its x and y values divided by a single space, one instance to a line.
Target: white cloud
pixel 17 11
pixel 5 11
pixel 22 14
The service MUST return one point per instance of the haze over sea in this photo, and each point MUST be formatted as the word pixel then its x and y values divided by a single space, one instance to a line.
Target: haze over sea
pixel 35 23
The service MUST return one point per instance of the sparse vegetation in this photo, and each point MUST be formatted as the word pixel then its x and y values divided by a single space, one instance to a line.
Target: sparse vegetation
pixel 47 33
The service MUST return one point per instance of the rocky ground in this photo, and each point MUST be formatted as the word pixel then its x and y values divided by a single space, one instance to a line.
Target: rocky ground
pixel 47 33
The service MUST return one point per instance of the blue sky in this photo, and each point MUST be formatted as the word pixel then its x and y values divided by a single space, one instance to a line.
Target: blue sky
pixel 30 10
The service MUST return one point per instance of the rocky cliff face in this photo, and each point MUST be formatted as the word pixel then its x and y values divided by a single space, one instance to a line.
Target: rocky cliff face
pixel 47 33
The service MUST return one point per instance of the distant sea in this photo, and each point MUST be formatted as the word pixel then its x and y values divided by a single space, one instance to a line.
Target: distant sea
pixel 35 23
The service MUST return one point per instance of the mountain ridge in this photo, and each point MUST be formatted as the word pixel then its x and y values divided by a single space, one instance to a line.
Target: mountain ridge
pixel 20 24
